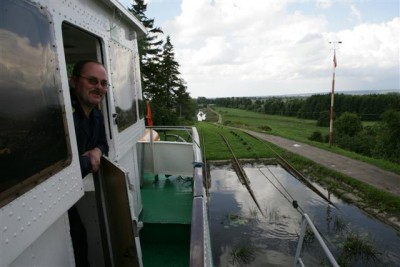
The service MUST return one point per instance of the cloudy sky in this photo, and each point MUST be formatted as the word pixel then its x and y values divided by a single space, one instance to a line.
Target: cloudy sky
pixel 279 47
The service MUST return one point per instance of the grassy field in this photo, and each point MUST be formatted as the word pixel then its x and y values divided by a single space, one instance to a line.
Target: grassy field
pixel 291 128
pixel 243 145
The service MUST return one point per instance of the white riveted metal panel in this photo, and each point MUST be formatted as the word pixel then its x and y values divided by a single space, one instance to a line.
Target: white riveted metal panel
pixel 52 248
pixel 37 219
pixel 129 137
pixel 26 218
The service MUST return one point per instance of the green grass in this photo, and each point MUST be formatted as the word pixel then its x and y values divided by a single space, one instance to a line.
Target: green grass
pixel 211 116
pixel 341 184
pixel 243 145
pixel 358 248
pixel 290 127
pixel 294 129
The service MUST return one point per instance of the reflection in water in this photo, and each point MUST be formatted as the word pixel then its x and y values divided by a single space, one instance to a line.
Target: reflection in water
pixel 358 246
pixel 241 236
pixel 243 254
pixel 32 129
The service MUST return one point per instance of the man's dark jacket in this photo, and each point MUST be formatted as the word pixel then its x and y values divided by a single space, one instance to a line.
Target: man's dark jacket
pixel 90 133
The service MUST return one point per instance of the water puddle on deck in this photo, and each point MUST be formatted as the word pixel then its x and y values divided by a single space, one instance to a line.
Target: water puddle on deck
pixel 242 236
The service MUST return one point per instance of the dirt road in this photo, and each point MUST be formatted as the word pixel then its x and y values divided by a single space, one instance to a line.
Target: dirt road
pixel 358 170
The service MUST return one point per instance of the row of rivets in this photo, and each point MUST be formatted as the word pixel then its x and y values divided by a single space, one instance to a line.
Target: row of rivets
pixel 35 219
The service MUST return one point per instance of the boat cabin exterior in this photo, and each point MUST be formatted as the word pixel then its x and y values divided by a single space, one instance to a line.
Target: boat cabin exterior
pixel 40 179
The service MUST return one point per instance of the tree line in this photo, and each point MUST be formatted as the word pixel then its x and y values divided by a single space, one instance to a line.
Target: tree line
pixel 381 140
pixel 367 107
pixel 162 83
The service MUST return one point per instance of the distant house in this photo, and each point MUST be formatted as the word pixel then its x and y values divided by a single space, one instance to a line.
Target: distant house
pixel 201 116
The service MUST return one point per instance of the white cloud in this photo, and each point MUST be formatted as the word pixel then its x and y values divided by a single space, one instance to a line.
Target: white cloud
pixel 324 4
pixel 252 47
pixel 371 45
pixel 356 13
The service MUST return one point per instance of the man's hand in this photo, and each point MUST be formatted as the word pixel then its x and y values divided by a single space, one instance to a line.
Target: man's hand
pixel 95 156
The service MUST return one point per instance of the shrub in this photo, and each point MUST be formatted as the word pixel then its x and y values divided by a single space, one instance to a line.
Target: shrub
pixel 388 141
pixel 316 136
pixel 265 128
pixel 348 124
pixel 324 118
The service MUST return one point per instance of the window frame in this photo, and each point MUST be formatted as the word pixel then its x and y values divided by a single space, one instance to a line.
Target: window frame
pixel 132 86
pixel 28 181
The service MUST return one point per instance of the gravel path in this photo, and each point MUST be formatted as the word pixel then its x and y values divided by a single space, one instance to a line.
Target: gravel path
pixel 362 171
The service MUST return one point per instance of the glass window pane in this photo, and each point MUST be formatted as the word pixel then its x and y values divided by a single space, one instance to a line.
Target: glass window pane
pixel 33 141
pixel 123 82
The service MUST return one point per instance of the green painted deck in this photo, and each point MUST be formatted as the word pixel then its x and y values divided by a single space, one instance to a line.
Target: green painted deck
pixel 166 217
pixel 165 245
pixel 166 200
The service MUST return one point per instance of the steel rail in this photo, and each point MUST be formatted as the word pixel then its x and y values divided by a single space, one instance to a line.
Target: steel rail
pixel 294 171
pixel 244 179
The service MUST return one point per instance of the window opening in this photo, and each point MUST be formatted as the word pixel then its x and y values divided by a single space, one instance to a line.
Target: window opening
pixel 80 45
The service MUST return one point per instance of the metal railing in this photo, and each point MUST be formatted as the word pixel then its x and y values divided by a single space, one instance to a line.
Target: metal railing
pixel 200 248
pixel 307 221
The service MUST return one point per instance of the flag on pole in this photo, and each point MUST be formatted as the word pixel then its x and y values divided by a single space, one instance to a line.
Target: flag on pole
pixel 149 119
pixel 334 59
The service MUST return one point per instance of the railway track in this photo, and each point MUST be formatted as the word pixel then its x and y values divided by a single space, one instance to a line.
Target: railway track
pixel 243 178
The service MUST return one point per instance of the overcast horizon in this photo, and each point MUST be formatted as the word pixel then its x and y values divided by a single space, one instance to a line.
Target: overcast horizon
pixel 356 92
pixel 281 47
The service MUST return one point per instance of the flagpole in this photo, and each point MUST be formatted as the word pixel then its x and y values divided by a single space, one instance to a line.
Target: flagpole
pixel 149 116
pixel 332 94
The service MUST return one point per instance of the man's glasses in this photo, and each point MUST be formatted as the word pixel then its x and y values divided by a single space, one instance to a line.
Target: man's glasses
pixel 95 81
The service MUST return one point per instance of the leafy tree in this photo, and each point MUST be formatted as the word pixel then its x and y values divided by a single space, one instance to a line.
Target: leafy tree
pixel 313 105
pixel 161 80
pixel 362 143
pixel 201 100
pixel 186 106
pixel 348 124
pixel 366 141
pixel 324 118
pixel 351 135
pixel 388 139
pixel 257 105
pixel 292 106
